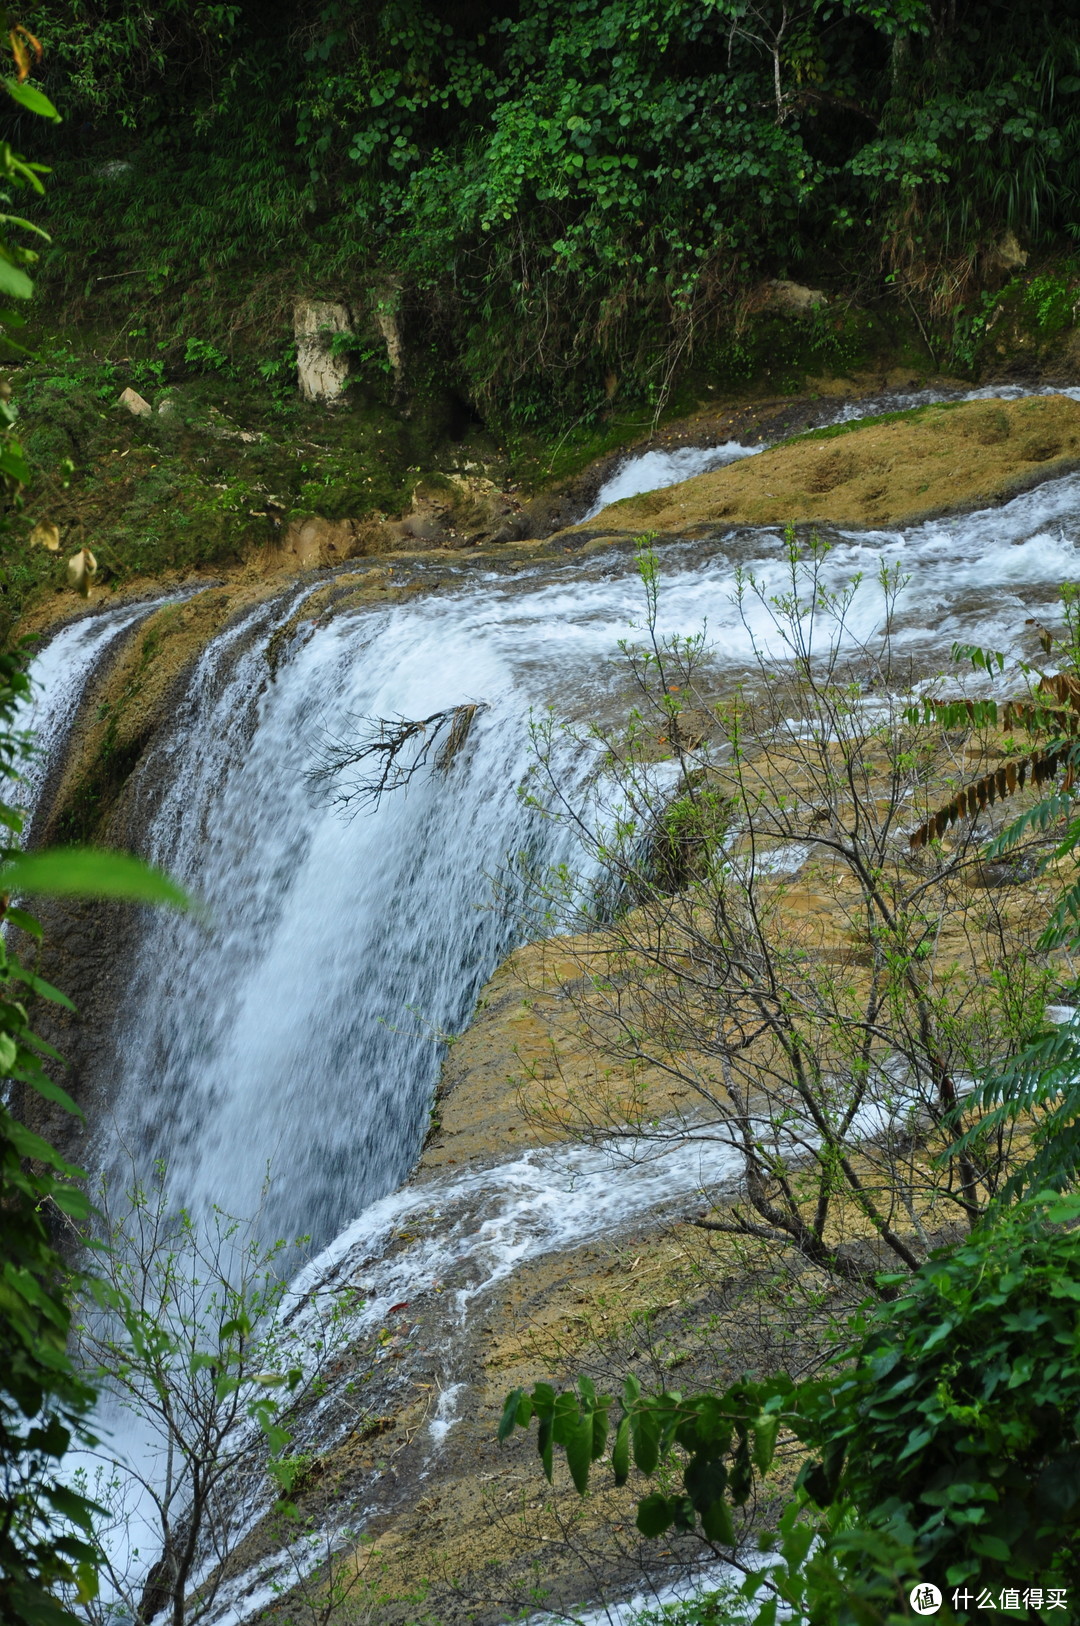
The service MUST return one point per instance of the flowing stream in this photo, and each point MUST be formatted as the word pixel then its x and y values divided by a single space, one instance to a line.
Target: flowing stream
pixel 297 1033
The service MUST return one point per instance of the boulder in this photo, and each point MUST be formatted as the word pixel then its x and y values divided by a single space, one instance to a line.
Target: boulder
pixel 793 299
pixel 135 403
pixel 81 570
pixel 452 510
pixel 309 543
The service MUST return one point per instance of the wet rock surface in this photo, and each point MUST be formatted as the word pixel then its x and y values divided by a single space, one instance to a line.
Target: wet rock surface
pixel 945 458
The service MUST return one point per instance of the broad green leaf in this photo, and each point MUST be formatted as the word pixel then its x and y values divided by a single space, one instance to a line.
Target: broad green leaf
pixel 86 872
pixel 645 1433
pixel 654 1514
pixel 716 1522
pixel 14 282
pixel 543 1446
pixel 765 1432
pixel 510 1412
pixel 12 462
pixel 34 100
pixel 600 1428
pixel 579 1441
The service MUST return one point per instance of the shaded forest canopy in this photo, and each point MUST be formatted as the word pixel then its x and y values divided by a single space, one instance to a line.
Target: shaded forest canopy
pixel 555 198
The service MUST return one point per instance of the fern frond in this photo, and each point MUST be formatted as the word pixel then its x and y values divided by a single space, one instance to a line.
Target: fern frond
pixel 1042 1082
pixel 1063 927
pixel 1045 813
pixel 1037 766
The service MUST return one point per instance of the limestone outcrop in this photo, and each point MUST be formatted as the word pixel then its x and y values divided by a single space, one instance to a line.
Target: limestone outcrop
pixel 322 372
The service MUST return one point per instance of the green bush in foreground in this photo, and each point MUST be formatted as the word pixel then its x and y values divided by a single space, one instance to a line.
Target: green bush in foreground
pixel 943 1447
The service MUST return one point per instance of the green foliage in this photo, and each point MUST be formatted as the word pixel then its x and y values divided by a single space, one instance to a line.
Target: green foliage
pixel 943 1445
pixel 183 1331
pixel 84 872
pixel 45 1528
pixel 548 194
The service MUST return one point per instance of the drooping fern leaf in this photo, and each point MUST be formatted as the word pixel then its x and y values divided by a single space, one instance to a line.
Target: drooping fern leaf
pixel 1039 764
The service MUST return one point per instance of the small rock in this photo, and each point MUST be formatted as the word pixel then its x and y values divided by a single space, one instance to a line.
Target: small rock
pixel 1008 253
pixel 167 408
pixel 135 403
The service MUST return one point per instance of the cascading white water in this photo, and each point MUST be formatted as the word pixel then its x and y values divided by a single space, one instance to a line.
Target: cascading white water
pixel 60 674
pixel 297 1032
pixel 651 471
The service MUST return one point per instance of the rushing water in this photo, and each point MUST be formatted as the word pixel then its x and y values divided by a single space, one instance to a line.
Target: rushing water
pixel 299 1030
pixel 651 471
pixel 60 674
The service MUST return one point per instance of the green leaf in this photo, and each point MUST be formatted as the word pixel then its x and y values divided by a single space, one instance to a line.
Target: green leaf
pixel 12 462
pixel 620 1453
pixel 44 1086
pixel 716 1522
pixel 600 1428
pixel 36 984
pixel 991 1547
pixel 645 1432
pixel 579 1441
pixel 34 100
pixel 654 1514
pixel 26 923
pixel 13 282
pixel 543 1446
pixel 509 1418
pixel 765 1432
pixel 87 872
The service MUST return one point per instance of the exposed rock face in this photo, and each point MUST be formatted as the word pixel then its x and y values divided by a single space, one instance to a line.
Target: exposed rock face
pixel 793 299
pixel 449 509
pixel 321 374
pixel 951 457
pixel 386 303
pixel 311 542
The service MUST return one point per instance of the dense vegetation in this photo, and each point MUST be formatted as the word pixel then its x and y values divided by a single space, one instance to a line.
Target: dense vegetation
pixel 556 202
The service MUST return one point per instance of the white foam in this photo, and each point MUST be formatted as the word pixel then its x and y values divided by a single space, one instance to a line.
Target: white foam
pixel 652 471
pixel 59 675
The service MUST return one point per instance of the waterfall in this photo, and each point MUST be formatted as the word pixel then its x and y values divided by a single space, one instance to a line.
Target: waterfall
pixel 299 1027
pixel 299 1032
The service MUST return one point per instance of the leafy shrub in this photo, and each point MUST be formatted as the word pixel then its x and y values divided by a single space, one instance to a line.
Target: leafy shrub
pixel 943 1447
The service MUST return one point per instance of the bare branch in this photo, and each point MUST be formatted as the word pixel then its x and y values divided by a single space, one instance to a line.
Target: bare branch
pixel 383 754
